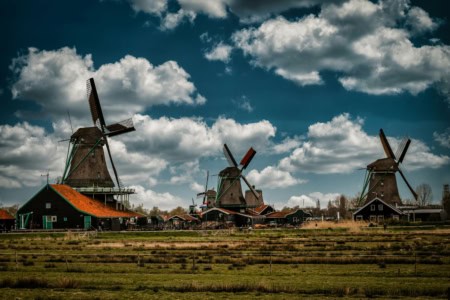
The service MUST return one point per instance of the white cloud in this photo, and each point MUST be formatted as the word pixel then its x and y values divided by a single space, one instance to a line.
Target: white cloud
pixel 215 8
pixel 354 39
pixel 287 145
pixel 150 7
pixel 56 80
pixel 272 178
pixel 26 152
pixel 243 103
pixel 220 52
pixel 196 187
pixel 342 146
pixel 172 20
pixel 443 138
pixel 310 200
pixel 150 198
pixel 420 21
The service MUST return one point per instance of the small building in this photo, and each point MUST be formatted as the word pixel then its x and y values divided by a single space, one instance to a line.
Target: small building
pixel 6 220
pixel 58 206
pixel 377 211
pixel 291 217
pixel 182 221
pixel 425 214
pixel 263 209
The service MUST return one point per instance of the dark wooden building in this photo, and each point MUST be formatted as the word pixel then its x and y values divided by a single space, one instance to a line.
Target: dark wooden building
pixel 6 220
pixel 58 206
pixel 293 217
pixel 377 211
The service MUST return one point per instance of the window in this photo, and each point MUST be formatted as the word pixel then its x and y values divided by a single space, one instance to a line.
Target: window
pixel 380 207
pixel 380 219
pixel 48 205
pixel 372 207
pixel 373 219
pixel 359 218
pixel 395 217
pixel 65 219
pixel 295 220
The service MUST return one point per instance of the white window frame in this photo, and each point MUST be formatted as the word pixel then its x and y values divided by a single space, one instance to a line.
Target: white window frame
pixel 48 205
pixel 395 217
pixel 359 218
pixel 372 207
pixel 380 207
pixel 380 219
pixel 373 218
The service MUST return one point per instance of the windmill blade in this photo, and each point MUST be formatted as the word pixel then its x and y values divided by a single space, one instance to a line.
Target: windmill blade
pixel 112 163
pixel 387 148
pixel 94 103
pixel 245 161
pixel 231 161
pixel 250 187
pixel 402 156
pixel 407 183
pixel 120 127
pixel 70 122
pixel 206 187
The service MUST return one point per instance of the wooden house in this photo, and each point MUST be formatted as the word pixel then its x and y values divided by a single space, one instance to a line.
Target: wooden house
pixel 58 206
pixel 377 211
pixel 292 217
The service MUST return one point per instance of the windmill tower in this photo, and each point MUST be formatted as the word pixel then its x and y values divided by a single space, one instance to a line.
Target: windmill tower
pixel 380 178
pixel 86 164
pixel 229 190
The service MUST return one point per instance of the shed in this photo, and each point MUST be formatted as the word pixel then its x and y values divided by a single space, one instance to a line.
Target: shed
pixel 58 206
pixel 6 220
pixel 292 217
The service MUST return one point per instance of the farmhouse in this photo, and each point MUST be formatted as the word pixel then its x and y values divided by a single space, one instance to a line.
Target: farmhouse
pixel 182 221
pixel 6 220
pixel 377 211
pixel 58 206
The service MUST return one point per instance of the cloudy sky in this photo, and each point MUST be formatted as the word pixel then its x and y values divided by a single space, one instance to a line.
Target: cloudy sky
pixel 306 83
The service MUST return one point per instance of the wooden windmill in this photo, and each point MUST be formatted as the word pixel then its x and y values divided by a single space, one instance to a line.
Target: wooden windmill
pixel 229 190
pixel 380 181
pixel 86 164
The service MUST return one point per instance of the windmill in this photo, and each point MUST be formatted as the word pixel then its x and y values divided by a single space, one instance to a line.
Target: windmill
pixel 86 164
pixel 229 191
pixel 380 180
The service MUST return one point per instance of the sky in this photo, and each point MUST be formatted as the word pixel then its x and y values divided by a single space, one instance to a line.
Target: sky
pixel 307 83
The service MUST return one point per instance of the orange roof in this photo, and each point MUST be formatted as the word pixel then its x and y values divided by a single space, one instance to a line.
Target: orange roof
pixel 260 208
pixel 89 205
pixel 278 214
pixel 5 215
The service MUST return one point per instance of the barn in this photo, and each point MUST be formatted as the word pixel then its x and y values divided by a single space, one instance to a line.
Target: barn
pixel 58 206
pixel 6 220
pixel 182 221
pixel 377 211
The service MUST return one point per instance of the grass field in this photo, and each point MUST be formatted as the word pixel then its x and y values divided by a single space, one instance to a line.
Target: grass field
pixel 316 263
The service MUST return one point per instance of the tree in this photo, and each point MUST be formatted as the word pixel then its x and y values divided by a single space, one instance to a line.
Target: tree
pixel 446 202
pixel 424 194
pixel 178 211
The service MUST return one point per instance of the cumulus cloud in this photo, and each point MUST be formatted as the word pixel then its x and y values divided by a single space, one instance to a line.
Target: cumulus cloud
pixel 352 38
pixel 150 198
pixel 56 80
pixel 420 21
pixel 272 178
pixel 443 138
pixel 186 139
pixel 310 200
pixel 342 146
pixel 172 20
pixel 220 52
pixel 287 145
pixel 150 7
pixel 26 152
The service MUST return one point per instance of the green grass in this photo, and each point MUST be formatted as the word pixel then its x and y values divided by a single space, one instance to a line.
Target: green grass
pixel 314 264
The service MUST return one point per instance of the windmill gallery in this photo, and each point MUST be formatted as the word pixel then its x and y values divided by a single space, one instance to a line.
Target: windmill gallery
pixel 86 197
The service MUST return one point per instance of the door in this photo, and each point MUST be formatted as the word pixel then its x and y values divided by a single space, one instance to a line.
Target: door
pixel 47 222
pixel 87 222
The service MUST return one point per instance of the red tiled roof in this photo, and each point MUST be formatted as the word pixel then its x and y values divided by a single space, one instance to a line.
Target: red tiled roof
pixel 188 218
pixel 278 214
pixel 261 208
pixel 88 205
pixel 5 215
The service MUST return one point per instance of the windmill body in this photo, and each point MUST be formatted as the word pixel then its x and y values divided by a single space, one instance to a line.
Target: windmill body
pixel 88 165
pixel 229 190
pixel 86 168
pixel 381 181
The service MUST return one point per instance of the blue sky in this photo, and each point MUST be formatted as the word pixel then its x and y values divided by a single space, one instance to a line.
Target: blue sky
pixel 308 84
